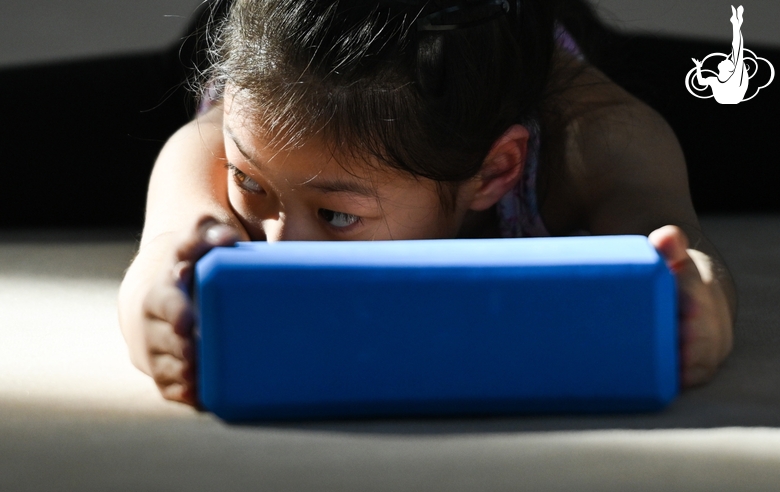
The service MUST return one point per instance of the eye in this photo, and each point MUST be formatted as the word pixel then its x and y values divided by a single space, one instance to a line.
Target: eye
pixel 338 219
pixel 244 181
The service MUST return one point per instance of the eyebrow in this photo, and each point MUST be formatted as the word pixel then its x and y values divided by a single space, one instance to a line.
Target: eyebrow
pixel 322 185
pixel 241 147
pixel 341 186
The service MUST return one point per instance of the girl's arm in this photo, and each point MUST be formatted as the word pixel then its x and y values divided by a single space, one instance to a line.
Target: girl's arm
pixel 633 180
pixel 187 213
pixel 189 179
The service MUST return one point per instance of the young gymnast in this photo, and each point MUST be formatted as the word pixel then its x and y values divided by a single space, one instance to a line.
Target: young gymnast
pixel 354 120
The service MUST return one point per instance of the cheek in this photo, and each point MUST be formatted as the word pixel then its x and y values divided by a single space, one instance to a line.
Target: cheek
pixel 420 219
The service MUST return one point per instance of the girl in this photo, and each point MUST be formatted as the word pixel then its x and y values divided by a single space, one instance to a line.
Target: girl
pixel 404 119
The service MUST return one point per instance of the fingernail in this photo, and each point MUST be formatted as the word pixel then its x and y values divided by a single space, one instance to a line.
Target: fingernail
pixel 219 233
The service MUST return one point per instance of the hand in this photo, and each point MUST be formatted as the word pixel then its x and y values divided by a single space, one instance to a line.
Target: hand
pixel 168 315
pixel 705 323
pixel 697 62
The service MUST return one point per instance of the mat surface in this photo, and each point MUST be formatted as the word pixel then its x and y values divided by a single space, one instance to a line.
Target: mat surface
pixel 75 415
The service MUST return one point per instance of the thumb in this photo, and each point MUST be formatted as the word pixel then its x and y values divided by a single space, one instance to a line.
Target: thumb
pixel 198 240
pixel 672 244
pixel 207 233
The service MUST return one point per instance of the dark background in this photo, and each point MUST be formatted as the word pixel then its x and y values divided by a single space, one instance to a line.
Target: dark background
pixel 79 138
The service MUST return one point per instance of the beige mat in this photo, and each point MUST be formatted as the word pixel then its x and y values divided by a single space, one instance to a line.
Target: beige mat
pixel 75 415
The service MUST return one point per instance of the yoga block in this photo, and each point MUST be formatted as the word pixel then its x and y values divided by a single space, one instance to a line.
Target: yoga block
pixel 320 330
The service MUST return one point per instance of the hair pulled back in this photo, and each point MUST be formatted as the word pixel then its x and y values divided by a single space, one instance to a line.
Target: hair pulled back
pixel 361 74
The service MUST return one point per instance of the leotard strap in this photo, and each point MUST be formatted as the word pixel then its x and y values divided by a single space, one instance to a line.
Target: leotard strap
pixel 518 210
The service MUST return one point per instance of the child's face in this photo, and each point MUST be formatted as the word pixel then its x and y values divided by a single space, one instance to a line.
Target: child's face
pixel 309 194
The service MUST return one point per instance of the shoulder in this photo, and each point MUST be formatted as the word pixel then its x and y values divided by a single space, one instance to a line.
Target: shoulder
pixel 622 166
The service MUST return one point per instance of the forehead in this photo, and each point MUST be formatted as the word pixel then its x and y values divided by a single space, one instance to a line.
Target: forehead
pixel 308 154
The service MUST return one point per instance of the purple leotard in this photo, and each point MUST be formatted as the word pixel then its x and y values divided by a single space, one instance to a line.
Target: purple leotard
pixel 518 210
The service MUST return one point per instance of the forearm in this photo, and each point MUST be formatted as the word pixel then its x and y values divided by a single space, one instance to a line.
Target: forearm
pixel 189 180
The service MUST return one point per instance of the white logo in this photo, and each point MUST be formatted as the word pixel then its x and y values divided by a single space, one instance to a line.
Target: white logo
pixel 730 84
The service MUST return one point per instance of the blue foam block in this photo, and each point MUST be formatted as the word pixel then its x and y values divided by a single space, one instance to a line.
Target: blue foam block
pixel 310 330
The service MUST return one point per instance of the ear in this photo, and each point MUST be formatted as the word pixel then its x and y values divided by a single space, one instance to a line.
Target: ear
pixel 502 168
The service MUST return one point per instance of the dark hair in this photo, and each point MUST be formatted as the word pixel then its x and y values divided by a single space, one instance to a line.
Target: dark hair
pixel 361 74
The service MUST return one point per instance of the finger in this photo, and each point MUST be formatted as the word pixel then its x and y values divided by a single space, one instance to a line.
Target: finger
pixel 693 334
pixel 166 302
pixel 700 339
pixel 671 243
pixel 702 350
pixel 161 340
pixel 181 393
pixel 175 378
pixel 206 234
pixel 182 274
pixel 167 370
pixel 177 392
pixel 699 361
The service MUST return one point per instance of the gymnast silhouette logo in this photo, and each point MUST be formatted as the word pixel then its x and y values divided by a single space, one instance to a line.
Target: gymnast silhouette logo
pixel 735 71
